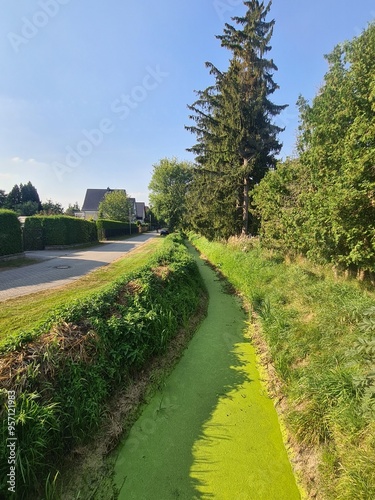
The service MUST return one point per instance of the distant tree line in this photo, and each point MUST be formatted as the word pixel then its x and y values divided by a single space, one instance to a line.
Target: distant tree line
pixel 24 200
pixel 320 203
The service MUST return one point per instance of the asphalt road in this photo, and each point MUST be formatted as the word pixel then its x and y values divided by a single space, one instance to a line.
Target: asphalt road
pixel 60 267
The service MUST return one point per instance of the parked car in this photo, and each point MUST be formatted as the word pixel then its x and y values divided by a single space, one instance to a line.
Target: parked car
pixel 164 232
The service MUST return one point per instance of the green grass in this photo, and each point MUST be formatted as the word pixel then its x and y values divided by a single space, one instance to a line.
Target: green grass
pixel 320 332
pixel 26 313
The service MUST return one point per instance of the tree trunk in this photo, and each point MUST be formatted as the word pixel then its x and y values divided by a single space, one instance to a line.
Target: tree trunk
pixel 245 209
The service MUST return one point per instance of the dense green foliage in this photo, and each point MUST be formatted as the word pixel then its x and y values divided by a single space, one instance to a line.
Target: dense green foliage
pixel 3 198
pixel 323 203
pixel 10 233
pixel 33 233
pixel 169 184
pixel 64 373
pixel 320 333
pixel 116 206
pixel 51 208
pixel 237 139
pixel 111 229
pixel 40 232
pixel 23 199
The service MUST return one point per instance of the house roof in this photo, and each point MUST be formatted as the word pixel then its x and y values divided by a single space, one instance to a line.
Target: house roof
pixel 94 197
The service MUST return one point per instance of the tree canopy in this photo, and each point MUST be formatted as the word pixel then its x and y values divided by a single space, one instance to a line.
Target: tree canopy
pixel 324 201
pixel 23 199
pixel 169 185
pixel 115 206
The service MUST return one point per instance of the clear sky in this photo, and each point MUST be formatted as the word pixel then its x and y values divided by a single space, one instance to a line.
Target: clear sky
pixel 94 93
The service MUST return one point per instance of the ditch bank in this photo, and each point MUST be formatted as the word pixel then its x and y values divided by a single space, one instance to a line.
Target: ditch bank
pixel 211 431
pixel 56 380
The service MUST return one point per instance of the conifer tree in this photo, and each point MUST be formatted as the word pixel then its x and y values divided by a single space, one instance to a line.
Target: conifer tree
pixel 237 138
pixel 13 197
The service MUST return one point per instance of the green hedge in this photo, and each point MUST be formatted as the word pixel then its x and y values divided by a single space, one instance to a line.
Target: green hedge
pixel 112 229
pixel 33 236
pixel 69 369
pixel 10 233
pixel 57 230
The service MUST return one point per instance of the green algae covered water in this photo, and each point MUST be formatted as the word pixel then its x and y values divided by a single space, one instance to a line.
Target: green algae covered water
pixel 212 432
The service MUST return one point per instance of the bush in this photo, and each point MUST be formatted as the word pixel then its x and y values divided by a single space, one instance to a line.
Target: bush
pixel 10 233
pixel 57 230
pixel 33 236
pixel 112 229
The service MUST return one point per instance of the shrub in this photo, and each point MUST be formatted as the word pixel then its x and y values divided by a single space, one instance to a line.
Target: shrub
pixel 55 231
pixel 58 230
pixel 33 236
pixel 10 233
pixel 112 229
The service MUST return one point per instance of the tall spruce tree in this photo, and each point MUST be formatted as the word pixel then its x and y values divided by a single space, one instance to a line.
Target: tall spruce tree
pixel 237 139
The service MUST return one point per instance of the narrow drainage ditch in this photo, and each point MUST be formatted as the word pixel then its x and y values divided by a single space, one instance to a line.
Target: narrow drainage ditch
pixel 211 431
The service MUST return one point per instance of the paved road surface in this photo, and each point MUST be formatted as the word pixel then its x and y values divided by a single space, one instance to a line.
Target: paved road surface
pixel 60 267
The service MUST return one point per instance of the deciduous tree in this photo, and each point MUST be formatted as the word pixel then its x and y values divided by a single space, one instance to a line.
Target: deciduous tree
pixel 115 206
pixel 169 184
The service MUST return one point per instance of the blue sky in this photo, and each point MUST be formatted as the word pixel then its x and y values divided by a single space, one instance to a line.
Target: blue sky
pixel 93 93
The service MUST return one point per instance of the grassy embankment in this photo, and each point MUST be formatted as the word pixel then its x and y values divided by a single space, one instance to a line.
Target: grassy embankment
pixel 64 367
pixel 31 311
pixel 319 331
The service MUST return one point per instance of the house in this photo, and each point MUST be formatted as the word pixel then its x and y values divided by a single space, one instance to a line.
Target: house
pixel 133 205
pixel 93 198
pixel 140 211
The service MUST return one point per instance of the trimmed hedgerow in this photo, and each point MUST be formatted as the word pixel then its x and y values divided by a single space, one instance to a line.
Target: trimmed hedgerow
pixel 33 236
pixel 62 374
pixel 112 229
pixel 57 230
pixel 10 233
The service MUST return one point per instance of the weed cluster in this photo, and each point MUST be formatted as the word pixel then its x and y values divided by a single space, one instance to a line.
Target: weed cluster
pixel 63 372
pixel 320 333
